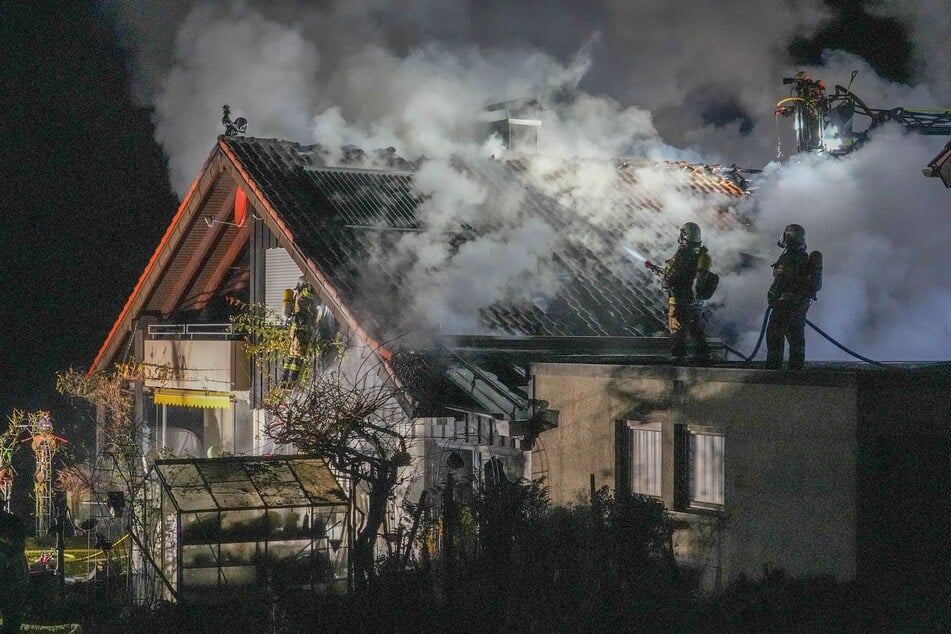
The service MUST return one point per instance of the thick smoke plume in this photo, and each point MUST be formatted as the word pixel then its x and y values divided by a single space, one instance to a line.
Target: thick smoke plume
pixel 676 80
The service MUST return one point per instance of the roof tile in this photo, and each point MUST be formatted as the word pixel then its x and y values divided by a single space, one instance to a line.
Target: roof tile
pixel 340 215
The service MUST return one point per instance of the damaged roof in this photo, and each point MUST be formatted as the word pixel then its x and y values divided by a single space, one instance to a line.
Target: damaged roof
pixel 334 218
pixel 340 216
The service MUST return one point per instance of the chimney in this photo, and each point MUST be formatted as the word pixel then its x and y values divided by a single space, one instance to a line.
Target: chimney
pixel 516 122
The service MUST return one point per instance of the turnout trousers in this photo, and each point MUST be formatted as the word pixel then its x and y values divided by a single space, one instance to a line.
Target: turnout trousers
pixel 685 320
pixel 296 351
pixel 786 325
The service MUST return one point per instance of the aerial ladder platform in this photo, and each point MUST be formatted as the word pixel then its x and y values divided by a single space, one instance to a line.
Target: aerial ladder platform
pixel 826 122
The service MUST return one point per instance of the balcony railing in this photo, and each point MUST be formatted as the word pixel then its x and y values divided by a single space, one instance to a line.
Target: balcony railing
pixel 192 331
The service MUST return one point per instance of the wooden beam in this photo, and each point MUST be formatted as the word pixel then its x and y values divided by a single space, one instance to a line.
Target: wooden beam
pixel 209 240
pixel 217 276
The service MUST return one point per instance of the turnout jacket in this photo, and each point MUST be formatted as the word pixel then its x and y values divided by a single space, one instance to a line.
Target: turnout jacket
pixel 792 286
pixel 304 308
pixel 680 272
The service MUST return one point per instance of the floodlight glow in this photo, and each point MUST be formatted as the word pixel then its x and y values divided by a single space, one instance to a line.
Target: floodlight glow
pixel 835 143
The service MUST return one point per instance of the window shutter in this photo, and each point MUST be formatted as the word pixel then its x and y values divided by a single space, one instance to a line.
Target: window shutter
pixel 706 469
pixel 280 272
pixel 646 453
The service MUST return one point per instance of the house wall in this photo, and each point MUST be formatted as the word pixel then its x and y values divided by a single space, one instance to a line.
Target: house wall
pixel 196 364
pixel 789 459
pixel 219 426
pixel 904 483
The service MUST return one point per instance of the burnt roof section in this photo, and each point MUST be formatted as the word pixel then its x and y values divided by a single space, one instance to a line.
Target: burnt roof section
pixel 341 215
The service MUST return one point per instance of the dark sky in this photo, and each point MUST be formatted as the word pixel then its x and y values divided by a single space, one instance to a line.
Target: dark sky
pixel 85 192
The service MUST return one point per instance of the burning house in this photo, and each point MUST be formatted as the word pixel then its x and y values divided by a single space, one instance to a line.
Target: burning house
pixel 490 363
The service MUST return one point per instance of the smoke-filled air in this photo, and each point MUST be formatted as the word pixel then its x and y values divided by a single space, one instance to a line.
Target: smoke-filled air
pixel 675 80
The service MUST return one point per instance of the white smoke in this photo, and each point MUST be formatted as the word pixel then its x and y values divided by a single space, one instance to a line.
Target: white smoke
pixel 239 58
pixel 619 79
pixel 880 226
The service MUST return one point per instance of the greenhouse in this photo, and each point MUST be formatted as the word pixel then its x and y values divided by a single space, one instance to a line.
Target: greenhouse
pixel 220 525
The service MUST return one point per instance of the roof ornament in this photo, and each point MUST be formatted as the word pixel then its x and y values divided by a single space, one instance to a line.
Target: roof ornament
pixel 233 128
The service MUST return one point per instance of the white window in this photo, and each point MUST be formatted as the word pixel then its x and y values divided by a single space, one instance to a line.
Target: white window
pixel 706 470
pixel 646 450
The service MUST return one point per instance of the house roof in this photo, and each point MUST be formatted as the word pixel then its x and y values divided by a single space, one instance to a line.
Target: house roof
pixel 340 215
pixel 333 217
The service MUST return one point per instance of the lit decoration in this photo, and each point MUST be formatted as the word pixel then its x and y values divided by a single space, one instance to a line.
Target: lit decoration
pixel 8 441
pixel 44 443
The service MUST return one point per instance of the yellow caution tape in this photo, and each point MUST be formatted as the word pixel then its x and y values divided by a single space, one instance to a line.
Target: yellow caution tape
pixel 102 552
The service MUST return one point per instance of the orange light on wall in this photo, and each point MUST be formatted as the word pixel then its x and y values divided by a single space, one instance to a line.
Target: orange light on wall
pixel 240 206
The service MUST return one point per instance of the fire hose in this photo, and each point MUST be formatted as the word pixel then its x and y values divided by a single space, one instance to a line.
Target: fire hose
pixel 657 270
pixel 762 333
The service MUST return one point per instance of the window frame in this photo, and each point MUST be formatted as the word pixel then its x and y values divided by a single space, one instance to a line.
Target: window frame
pixel 631 427
pixel 693 432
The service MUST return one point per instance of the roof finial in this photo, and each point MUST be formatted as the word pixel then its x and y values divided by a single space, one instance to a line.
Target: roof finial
pixel 233 128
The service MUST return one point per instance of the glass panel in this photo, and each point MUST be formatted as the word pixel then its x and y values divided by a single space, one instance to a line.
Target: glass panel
pixel 334 525
pixel 194 498
pixel 319 484
pixel 298 563
pixel 706 469
pixel 235 495
pixel 646 462
pixel 202 556
pixel 200 527
pixel 239 554
pixel 222 471
pixel 293 523
pixel 177 475
pixel 284 550
pixel 200 577
pixel 264 473
pixel 250 525
pixel 238 575
pixel 284 494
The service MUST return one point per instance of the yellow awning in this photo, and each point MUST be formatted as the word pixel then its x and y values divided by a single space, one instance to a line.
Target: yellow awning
pixel 192 398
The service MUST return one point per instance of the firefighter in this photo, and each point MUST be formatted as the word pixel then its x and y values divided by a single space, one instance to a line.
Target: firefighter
pixel 14 572
pixel 812 91
pixel 300 315
pixel 683 308
pixel 795 283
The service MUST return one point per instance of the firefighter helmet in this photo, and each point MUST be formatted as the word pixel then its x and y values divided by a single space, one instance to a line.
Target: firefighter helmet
pixel 689 233
pixel 301 282
pixel 794 236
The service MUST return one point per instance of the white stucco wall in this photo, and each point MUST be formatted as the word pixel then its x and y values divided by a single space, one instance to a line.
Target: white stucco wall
pixel 790 457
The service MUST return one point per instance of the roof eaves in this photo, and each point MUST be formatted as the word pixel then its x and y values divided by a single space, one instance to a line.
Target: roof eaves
pixel 106 351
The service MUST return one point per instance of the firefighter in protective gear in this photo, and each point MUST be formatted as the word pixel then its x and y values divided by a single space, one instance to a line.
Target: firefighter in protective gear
pixel 793 290
pixel 683 309
pixel 301 319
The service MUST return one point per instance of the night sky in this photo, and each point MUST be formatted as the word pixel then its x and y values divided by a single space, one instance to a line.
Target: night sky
pixel 85 191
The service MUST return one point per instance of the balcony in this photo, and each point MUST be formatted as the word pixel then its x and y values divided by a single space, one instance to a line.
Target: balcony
pixel 195 357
